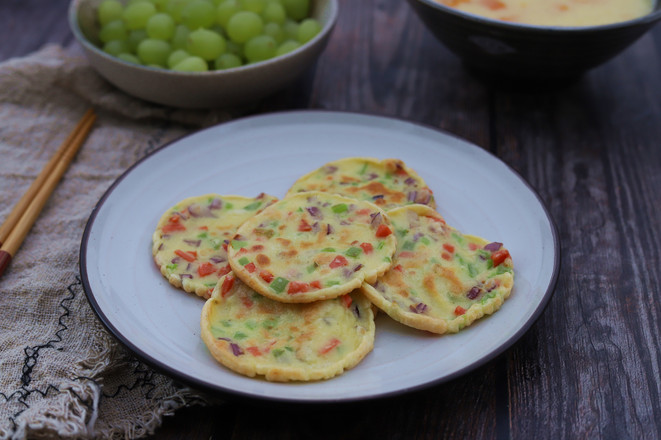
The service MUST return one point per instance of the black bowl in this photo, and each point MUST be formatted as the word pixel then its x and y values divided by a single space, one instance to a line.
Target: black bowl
pixel 520 51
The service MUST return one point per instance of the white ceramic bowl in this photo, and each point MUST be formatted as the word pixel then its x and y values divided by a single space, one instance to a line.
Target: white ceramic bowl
pixel 220 89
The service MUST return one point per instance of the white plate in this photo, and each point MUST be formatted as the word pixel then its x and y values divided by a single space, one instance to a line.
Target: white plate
pixel 475 192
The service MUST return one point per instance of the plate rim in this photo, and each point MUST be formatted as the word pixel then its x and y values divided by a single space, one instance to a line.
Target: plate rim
pixel 226 392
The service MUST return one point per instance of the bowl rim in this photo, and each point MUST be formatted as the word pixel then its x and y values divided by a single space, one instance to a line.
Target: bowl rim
pixel 326 29
pixel 647 19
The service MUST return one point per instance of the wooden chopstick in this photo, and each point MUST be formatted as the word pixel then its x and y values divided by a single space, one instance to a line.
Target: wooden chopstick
pixel 26 211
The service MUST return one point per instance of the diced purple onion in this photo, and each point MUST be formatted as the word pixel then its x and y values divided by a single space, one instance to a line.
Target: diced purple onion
pixel 417 236
pixel 216 204
pixel 493 247
pixel 330 169
pixel 224 339
pixel 358 267
pixel 356 310
pixel 473 293
pixel 186 275
pixel 372 176
pixel 423 198
pixel 314 211
pixel 216 260
pixel 236 349
pixel 377 219
pixel 410 181
pixel 195 243
pixel 188 266
pixel 315 227
pixel 412 195
pixel 418 308
pixel 378 196
pixel 160 247
pixel 175 260
pixel 194 210
pixel 347 273
pixel 329 229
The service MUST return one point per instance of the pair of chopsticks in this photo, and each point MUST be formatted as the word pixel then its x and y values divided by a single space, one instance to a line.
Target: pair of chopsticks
pixel 22 217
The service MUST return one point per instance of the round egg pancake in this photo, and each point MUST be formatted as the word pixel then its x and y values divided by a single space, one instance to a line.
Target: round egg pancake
pixel 312 246
pixel 189 244
pixel 388 183
pixel 254 335
pixel 441 280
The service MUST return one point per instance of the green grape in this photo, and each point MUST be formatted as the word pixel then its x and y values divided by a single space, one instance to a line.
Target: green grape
pixel 198 14
pixel 160 26
pixel 115 47
pixel 225 10
pixel 286 47
pixel 243 26
pixel 274 30
pixel 236 49
pixel 129 58
pixel 296 9
pixel 192 64
pixel 256 6
pixel 206 44
pixel 176 57
pixel 152 51
pixel 274 12
pixel 115 30
pixel 160 4
pixel 291 29
pixel 109 10
pixel 227 61
pixel 136 14
pixel 180 37
pixel 260 48
pixel 307 30
pixel 135 37
pixel 175 8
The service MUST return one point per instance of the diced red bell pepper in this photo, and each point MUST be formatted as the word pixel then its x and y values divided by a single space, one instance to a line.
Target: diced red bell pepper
pixel 334 342
pixel 448 247
pixel 303 226
pixel 297 287
pixel 189 256
pixel 459 311
pixel 499 256
pixel 247 302
pixel 206 269
pixel 228 282
pixel 250 267
pixel 266 276
pixel 346 300
pixel 398 268
pixel 383 231
pixel 254 351
pixel 171 227
pixel 367 248
pixel 338 261
pixel 316 284
pixel 224 270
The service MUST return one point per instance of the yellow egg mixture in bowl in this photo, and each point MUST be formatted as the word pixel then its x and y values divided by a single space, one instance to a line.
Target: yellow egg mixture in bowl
pixel 537 39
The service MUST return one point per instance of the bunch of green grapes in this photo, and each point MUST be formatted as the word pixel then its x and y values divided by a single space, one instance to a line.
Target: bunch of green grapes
pixel 202 35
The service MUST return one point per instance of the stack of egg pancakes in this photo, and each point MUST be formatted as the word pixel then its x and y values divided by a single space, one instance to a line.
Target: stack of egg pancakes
pixel 292 286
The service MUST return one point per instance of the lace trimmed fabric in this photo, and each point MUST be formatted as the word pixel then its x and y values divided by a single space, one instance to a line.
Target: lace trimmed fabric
pixel 63 375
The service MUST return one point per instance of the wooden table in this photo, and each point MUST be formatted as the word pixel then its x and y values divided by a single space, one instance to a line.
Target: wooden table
pixel 590 366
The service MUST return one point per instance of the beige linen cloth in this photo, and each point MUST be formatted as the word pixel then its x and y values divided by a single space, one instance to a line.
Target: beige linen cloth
pixel 62 374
